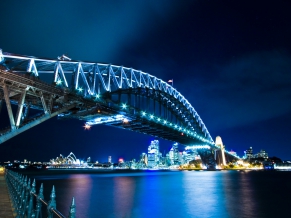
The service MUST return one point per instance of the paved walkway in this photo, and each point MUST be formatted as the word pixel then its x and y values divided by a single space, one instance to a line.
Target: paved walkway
pixel 5 203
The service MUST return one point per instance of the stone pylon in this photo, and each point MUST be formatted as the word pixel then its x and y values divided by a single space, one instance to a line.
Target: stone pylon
pixel 218 142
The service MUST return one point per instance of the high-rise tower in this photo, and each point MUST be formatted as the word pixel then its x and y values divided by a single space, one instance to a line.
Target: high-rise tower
pixel 153 154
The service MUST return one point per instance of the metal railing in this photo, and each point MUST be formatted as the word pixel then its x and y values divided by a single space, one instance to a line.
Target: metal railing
pixel 27 203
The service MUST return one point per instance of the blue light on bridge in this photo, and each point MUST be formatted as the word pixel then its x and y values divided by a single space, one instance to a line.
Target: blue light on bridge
pixel 183 130
pixel 124 106
pixel 59 82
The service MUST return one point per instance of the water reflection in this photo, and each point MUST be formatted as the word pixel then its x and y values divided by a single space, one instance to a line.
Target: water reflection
pixel 207 194
pixel 80 187
pixel 124 190
pixel 203 194
pixel 239 197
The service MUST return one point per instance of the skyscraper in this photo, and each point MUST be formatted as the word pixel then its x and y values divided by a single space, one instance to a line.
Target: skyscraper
pixel 153 154
pixel 174 155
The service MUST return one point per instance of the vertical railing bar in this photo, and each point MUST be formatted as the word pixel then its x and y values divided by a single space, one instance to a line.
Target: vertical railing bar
pixel 21 194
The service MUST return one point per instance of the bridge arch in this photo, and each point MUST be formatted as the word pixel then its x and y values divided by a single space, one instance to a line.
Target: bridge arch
pixel 109 84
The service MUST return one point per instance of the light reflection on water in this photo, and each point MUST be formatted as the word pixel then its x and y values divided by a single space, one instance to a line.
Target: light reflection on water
pixel 124 191
pixel 204 195
pixel 171 194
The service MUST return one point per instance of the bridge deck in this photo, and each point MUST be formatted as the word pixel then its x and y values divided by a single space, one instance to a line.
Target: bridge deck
pixel 5 203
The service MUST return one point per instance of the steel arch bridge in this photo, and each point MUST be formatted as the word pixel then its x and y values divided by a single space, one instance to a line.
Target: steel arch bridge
pixel 97 93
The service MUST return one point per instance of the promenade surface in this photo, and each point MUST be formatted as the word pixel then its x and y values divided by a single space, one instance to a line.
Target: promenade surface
pixel 5 203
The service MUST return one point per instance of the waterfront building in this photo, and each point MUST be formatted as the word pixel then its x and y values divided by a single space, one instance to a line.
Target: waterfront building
pixel 109 159
pixel 262 154
pixel 153 154
pixel 190 154
pixel 174 155
pixel 248 153
pixel 144 159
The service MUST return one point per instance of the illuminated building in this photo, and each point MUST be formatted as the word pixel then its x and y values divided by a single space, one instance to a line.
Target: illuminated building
pixel 144 159
pixel 189 154
pixel 109 159
pixel 262 154
pixel 248 153
pixel 153 154
pixel 174 155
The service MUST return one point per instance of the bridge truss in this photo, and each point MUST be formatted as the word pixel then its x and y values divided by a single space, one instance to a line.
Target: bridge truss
pixel 97 93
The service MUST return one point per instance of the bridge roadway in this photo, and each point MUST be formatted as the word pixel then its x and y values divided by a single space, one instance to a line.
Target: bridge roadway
pixel 98 94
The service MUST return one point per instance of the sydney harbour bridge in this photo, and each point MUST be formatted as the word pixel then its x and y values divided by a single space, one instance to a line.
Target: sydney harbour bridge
pixel 99 93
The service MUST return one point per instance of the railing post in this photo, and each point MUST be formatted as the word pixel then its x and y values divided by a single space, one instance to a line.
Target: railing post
pixel 27 192
pixel 30 205
pixel 72 213
pixel 38 202
pixel 52 203
pixel 22 198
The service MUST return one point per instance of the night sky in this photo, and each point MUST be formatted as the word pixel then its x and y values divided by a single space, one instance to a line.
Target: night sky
pixel 230 59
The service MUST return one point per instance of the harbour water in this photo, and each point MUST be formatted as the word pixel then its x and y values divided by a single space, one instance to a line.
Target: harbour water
pixel 166 194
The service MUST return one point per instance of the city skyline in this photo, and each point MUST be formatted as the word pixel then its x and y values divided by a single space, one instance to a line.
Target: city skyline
pixel 231 61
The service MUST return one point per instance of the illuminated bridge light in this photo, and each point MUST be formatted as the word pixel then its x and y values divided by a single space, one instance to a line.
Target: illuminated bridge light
pixel 180 128
pixel 143 113
pixel 80 89
pixel 124 106
pixel 87 126
pixel 151 116
pixel 175 126
pixel 97 96
pixel 159 119
pixel 165 122
pixel 59 82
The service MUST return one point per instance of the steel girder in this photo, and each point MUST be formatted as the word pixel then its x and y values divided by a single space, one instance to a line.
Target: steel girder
pixel 32 93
